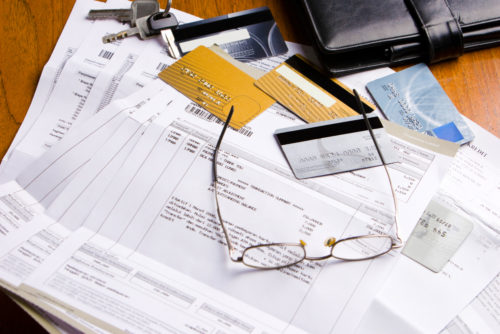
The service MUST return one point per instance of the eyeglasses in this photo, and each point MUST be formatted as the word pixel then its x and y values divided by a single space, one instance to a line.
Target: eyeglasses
pixel 281 255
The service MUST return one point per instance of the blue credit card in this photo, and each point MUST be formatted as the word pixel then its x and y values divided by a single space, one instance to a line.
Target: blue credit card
pixel 413 98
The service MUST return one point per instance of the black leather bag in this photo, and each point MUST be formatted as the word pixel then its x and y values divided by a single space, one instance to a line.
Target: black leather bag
pixel 354 35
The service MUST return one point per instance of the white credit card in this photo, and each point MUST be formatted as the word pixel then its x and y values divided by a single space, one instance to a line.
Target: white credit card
pixel 334 146
pixel 438 234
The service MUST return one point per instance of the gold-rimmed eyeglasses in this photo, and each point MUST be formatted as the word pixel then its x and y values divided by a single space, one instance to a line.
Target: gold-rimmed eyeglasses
pixel 281 255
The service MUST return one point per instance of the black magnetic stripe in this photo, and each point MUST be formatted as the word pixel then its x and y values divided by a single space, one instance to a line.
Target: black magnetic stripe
pixel 222 23
pixel 324 82
pixel 330 130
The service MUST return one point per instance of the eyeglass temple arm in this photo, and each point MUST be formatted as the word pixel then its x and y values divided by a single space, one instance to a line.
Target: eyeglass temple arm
pixel 215 176
pixel 368 125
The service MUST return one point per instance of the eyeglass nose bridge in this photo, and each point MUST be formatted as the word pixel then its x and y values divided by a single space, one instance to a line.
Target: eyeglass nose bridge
pixel 330 242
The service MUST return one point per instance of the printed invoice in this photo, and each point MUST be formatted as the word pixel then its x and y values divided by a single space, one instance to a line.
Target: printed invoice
pixel 364 203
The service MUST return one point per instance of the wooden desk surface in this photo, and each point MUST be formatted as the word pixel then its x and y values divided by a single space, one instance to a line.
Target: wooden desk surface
pixel 30 28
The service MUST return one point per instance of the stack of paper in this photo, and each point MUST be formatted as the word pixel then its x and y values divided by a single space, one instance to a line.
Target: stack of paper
pixel 108 213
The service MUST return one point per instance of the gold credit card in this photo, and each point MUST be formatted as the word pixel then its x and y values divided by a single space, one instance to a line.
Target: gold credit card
pixel 216 85
pixel 308 93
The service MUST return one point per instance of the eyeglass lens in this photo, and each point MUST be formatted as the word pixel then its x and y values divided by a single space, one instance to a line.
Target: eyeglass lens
pixel 363 247
pixel 273 255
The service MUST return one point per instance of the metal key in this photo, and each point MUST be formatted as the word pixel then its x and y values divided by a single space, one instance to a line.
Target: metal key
pixel 138 9
pixel 146 27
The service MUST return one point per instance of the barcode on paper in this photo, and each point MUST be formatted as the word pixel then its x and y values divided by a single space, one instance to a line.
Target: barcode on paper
pixel 161 67
pixel 106 54
pixel 203 114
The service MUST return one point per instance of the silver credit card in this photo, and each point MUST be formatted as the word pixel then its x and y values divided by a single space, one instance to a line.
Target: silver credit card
pixel 438 234
pixel 247 35
pixel 334 146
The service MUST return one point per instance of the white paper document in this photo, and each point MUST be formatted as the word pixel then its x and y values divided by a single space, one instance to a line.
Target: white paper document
pixel 82 76
pixel 106 138
pixel 424 301
pixel 482 315
pixel 67 45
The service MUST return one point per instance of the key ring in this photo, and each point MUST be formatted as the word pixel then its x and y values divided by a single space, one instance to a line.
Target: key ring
pixel 167 8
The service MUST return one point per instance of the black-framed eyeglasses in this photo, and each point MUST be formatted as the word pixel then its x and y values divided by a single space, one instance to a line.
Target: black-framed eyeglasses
pixel 281 255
